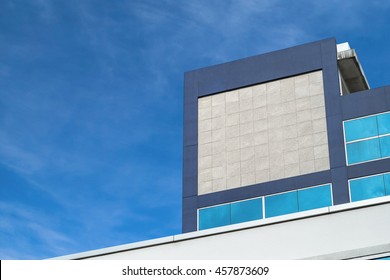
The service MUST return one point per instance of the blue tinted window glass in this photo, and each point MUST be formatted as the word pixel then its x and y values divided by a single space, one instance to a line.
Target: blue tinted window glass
pixel 313 198
pixel 360 128
pixel 367 188
pixel 214 216
pixel 386 178
pixel 248 210
pixel 384 123
pixel 385 146
pixel 363 151
pixel 281 204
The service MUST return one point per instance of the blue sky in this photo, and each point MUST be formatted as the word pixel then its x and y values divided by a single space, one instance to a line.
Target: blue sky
pixel 91 104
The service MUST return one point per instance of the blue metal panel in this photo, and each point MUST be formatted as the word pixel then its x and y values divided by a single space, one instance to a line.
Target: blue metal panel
pixel 281 204
pixel 247 210
pixel 366 188
pixel 313 198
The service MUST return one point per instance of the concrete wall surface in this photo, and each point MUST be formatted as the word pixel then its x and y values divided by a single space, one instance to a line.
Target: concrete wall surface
pixel 354 230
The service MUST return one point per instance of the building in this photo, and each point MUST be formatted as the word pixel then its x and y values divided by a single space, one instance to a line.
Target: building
pixel 286 156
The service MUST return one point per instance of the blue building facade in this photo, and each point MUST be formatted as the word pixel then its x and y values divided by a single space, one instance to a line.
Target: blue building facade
pixel 280 133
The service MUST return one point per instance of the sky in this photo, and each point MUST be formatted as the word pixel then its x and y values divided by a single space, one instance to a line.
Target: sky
pixel 91 105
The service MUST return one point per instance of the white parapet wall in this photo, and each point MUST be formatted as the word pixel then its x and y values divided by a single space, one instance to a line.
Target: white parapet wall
pixel 348 231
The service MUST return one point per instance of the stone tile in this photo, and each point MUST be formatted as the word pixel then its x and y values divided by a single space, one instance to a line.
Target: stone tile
pixel 205 150
pixel 232 131
pixel 219 185
pixel 291 157
pixel 218 99
pixel 302 92
pixel 205 187
pixel 305 128
pixel 218 122
pixel 319 125
pixel 316 89
pixel 245 93
pixel 274 98
pixel 260 125
pixel 306 167
pixel 204 125
pixel 261 163
pixel 219 160
pixel 290 132
pixel 260 138
pixel 247 153
pixel 317 101
pixel 246 128
pixel 290 145
pixel 246 104
pixel 218 134
pixel 204 102
pixel 318 113
pixel 275 110
pixel 291 170
pixel 205 162
pixel 315 77
pixel 218 172
pixel 232 119
pixel 218 110
pixel 276 161
pixel 232 107
pixel 289 107
pixel 287 85
pixel 248 179
pixel 204 113
pixel 261 151
pixel 273 87
pixel 204 137
pixel 320 138
pixel 275 147
pixel 205 175
pixel 248 166
pixel 259 89
pixel 303 104
pixel 262 176
pixel 322 164
pixel 218 147
pixel 233 182
pixel 260 113
pixel 232 96
pixel 289 119
pixel 233 156
pixel 246 141
pixel 306 154
pixel 305 141
pixel 276 122
pixel 321 151
pixel 232 144
pixel 275 135
pixel 301 81
pixel 259 100
pixel 303 116
pixel 246 116
pixel 276 173
pixel 233 170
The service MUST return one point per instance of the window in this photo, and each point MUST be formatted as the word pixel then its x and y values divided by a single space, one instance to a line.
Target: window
pixel 367 138
pixel 274 205
pixel 369 187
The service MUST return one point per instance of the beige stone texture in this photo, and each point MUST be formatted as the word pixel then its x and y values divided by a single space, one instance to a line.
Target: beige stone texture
pixel 265 132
